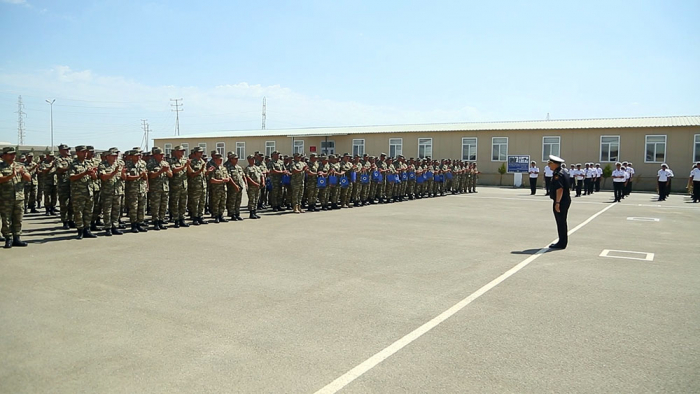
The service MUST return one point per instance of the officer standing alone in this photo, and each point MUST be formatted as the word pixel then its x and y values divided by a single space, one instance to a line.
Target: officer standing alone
pixel 559 193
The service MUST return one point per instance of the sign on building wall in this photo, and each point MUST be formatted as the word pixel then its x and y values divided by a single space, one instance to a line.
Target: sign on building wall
pixel 518 163
pixel 312 149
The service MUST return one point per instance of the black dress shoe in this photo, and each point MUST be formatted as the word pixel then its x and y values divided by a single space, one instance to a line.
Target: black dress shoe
pixel 557 246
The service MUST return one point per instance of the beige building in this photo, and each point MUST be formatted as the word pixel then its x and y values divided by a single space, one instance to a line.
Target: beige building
pixel 646 142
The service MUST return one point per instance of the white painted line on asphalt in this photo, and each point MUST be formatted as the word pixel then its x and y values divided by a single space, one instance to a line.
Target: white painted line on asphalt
pixel 647 256
pixel 641 219
pixel 533 199
pixel 387 352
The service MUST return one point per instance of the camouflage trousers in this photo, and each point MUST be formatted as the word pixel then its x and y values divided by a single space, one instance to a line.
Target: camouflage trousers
pixel 345 194
pixel 276 192
pixel 64 202
pixel 97 202
pixel 50 196
pixel 389 190
pixel 136 202
pixel 311 190
pixel 82 210
pixel 11 212
pixel 158 201
pixel 356 189
pixel 373 186
pixel 334 192
pixel 324 195
pixel 364 191
pixel 196 195
pixel 178 203
pixel 111 209
pixel 297 192
pixel 253 197
pixel 233 200
pixel 411 187
pixel 265 196
pixel 218 199
pixel 287 194
pixel 30 195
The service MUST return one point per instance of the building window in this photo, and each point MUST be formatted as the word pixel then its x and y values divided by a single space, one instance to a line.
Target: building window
pixel 656 148
pixel 499 148
pixel 395 147
pixel 298 147
pixel 328 147
pixel 203 145
pixel 186 147
pixel 168 148
pixel 696 149
pixel 358 147
pixel 221 148
pixel 550 146
pixel 469 148
pixel 610 148
pixel 269 147
pixel 240 149
pixel 425 147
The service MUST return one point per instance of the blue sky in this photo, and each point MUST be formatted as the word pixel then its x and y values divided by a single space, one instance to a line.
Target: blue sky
pixel 110 64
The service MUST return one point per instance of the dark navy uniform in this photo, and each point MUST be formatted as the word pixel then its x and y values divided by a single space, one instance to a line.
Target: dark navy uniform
pixel 560 180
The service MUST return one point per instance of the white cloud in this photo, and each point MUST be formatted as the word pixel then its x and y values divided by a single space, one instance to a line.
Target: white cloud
pixel 107 109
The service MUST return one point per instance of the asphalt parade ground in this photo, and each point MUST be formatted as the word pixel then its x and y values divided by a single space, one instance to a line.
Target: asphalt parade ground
pixel 442 295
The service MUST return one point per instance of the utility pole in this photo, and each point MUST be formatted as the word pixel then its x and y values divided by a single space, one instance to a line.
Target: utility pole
pixel 20 121
pixel 177 110
pixel 264 114
pixel 144 127
pixel 51 104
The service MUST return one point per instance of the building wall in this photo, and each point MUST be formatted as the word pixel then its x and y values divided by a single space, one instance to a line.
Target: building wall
pixel 576 146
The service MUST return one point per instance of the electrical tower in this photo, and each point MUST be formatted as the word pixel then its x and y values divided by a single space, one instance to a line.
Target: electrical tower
pixel 146 128
pixel 177 110
pixel 20 121
pixel 264 114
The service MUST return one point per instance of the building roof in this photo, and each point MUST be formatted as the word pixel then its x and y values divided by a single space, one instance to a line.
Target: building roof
pixel 609 123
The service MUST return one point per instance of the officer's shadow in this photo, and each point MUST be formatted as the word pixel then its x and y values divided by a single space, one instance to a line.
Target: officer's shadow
pixel 532 251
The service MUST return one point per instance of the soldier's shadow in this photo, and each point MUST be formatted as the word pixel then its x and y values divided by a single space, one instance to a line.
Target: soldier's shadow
pixel 50 239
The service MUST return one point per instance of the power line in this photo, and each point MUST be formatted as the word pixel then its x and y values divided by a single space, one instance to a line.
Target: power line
pixel 177 110
pixel 264 112
pixel 20 121
pixel 146 128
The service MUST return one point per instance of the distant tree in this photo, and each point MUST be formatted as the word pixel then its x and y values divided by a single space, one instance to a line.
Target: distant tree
pixel 501 170
pixel 607 173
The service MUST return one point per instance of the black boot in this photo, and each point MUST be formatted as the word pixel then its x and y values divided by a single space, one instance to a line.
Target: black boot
pixel 156 225
pixel 183 224
pixel 66 226
pixel 222 219
pixel 108 232
pixel 16 241
pixel 177 224
pixel 33 210
pixel 93 226
pixel 88 234
pixel 80 233
pixel 8 243
pixel 217 219
pixel 99 222
pixel 71 224
pixel 201 221
pixel 142 227
pixel 238 217
pixel 115 231
pixel 256 214
pixel 252 215
pixel 134 229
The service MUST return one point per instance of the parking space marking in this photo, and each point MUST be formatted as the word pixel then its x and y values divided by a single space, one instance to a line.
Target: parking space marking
pixel 622 253
pixel 387 352
pixel 640 219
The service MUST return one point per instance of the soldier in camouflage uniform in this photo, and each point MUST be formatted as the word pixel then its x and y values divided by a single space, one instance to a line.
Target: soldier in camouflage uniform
pixel 81 173
pixel 411 184
pixel 390 176
pixel 40 181
pixel 334 190
pixel 235 186
pixel 136 189
pixel 298 169
pixel 383 167
pixel 287 189
pixel 159 174
pixel 311 182
pixel 178 186
pixel 48 171
pixel 218 178
pixel 111 173
pixel 346 170
pixel 96 190
pixel 276 169
pixel 31 187
pixel 255 179
pixel 261 162
pixel 324 170
pixel 358 169
pixel 196 187
pixel 374 185
pixel 12 178
pixel 402 168
pixel 62 163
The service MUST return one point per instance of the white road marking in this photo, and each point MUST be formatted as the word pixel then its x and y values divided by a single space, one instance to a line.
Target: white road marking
pixel 647 256
pixel 387 352
pixel 548 200
pixel 641 219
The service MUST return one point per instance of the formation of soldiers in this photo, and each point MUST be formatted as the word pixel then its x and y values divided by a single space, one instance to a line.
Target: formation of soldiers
pixel 92 193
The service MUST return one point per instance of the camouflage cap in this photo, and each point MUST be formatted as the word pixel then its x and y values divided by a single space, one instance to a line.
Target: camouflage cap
pixel 232 155
pixel 312 155
pixel 197 149
pixel 215 155
pixel 250 157
pixel 179 148
pixel 156 151
pixel 63 146
pixel 324 157
pixel 296 154
pixel 80 148
pixel 30 154
pixel 113 152
pixel 331 156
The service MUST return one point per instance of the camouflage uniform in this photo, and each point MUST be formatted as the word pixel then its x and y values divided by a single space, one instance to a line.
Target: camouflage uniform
pixel 217 190
pixel 365 188
pixel 196 191
pixel 31 187
pixel 357 168
pixel 135 192
pixel 11 199
pixel 253 172
pixel 346 192
pixel 111 190
pixel 324 193
pixel 159 189
pixel 381 187
pixel 297 183
pixel 48 170
pixel 178 189
pixel 334 190
pixel 81 192
pixel 62 164
pixel 276 192
pixel 311 184
pixel 234 194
